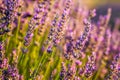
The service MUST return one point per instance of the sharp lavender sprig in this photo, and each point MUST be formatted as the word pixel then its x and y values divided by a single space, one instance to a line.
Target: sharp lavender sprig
pixel 44 17
pixel 83 38
pixel 60 28
pixel 58 32
pixel 51 34
pixel 69 48
pixel 91 65
pixel 34 22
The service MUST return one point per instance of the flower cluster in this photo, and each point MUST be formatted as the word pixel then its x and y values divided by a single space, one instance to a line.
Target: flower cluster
pixel 7 71
pixel 51 34
pixel 82 45
pixel 90 66
pixel 60 27
pixel 8 15
pixel 34 22
pixel 44 16
pixel 10 73
pixel 62 72
pixel 114 72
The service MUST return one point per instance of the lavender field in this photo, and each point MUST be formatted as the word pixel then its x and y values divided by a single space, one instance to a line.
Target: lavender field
pixel 59 40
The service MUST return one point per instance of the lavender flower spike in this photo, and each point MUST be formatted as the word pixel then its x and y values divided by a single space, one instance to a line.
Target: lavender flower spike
pixel 84 37
pixel 34 22
pixel 9 12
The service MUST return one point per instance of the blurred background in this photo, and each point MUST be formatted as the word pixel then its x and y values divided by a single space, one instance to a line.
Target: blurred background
pixel 102 6
pixel 96 3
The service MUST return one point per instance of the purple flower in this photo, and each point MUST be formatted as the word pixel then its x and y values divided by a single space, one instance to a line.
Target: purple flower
pixel 26 14
pixel 34 22
pixel 44 16
pixel 10 72
pixel 114 68
pixel 9 13
pixel 90 66
pixel 62 72
pixel 49 49
pixel 59 33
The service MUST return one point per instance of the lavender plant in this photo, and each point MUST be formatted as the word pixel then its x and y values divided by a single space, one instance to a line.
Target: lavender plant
pixel 57 40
